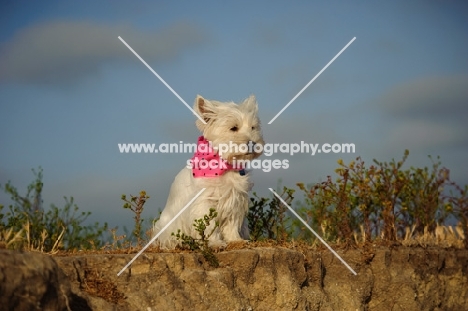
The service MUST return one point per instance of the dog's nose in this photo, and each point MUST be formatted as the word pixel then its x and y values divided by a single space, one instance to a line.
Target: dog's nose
pixel 253 144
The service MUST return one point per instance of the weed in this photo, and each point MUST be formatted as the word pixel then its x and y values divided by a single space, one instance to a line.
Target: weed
pixel 136 205
pixel 382 200
pixel 46 230
pixel 10 239
pixel 360 204
pixel 116 241
pixel 201 244
pixel 458 205
pixel 267 217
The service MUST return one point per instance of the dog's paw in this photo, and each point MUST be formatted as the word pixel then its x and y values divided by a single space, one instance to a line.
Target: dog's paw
pixel 217 244
pixel 237 244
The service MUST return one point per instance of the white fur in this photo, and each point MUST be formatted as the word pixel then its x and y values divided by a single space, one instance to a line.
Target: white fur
pixel 228 193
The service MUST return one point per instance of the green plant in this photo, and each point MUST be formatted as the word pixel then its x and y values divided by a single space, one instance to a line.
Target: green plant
pixel 326 209
pixel 458 205
pixel 267 217
pixel 116 241
pixel 381 201
pixel 47 230
pixel 201 244
pixel 136 205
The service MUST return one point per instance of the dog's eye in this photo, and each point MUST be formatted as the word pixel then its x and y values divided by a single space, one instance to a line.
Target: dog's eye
pixel 234 128
pixel 253 128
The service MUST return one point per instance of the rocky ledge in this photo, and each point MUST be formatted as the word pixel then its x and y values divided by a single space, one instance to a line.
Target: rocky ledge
pixel 275 278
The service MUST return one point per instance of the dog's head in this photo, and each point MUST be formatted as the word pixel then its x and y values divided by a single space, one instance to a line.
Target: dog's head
pixel 233 125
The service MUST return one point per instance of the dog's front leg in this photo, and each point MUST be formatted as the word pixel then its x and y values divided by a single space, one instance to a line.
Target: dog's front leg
pixel 232 226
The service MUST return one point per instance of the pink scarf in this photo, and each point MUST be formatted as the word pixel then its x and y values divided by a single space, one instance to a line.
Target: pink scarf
pixel 207 163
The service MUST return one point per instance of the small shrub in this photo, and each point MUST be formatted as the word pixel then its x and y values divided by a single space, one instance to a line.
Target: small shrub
pixel 267 217
pixel 136 205
pixel 46 230
pixel 382 200
pixel 456 202
pixel 201 244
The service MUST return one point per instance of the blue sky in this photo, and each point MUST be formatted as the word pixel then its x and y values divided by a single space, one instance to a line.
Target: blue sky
pixel 70 91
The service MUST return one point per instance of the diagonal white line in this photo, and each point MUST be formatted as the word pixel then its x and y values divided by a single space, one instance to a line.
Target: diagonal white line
pixel 312 230
pixel 162 80
pixel 310 82
pixel 162 230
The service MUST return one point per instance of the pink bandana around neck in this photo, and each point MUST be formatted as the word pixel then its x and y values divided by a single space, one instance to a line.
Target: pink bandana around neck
pixel 207 163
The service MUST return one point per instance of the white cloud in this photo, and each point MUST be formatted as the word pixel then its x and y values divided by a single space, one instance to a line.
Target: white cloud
pixel 433 97
pixel 423 134
pixel 64 51
pixel 427 116
pixel 427 112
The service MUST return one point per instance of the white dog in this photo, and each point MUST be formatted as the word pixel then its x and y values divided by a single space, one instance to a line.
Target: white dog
pixel 227 124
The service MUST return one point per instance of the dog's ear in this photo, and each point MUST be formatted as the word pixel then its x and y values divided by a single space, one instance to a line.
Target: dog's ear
pixel 205 109
pixel 250 104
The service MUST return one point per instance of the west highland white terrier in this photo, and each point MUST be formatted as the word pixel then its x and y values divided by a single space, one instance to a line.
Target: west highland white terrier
pixel 226 186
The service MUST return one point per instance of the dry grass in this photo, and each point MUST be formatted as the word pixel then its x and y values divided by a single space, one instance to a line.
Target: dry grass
pixel 95 284
pixel 21 239
pixel 444 237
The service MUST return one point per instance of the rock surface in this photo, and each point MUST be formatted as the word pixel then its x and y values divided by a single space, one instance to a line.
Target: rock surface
pixel 33 281
pixel 247 279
